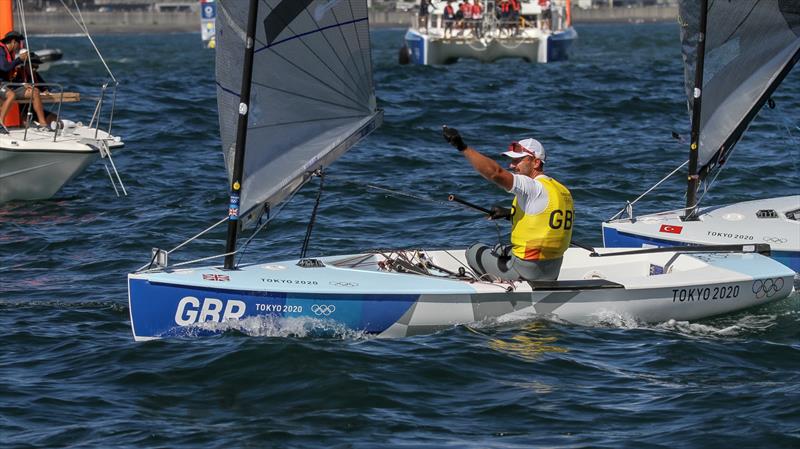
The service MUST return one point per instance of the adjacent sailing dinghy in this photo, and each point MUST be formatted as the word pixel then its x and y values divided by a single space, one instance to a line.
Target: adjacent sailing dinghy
pixel 305 96
pixel 749 48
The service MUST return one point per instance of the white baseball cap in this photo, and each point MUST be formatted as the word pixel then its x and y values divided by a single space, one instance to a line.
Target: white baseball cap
pixel 529 147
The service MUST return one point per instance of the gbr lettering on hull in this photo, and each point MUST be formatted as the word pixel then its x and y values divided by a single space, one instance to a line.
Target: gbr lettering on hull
pixel 191 310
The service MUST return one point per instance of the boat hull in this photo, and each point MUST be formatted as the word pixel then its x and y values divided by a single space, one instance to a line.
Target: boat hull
pixel 34 167
pixel 391 304
pixel 436 50
pixel 760 221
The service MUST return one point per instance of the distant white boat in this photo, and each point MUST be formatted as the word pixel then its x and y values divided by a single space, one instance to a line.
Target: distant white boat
pixel 749 48
pixel 529 37
pixel 46 56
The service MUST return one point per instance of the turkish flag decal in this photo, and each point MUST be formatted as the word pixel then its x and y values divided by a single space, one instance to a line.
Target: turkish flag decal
pixel 670 229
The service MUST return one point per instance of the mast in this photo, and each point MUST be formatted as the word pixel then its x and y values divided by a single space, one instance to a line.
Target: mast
pixel 241 137
pixel 693 178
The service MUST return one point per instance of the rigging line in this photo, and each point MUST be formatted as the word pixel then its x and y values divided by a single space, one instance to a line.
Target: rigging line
pixel 649 190
pixel 196 236
pixel 399 194
pixel 364 109
pixel 269 219
pixel 361 49
pixel 363 70
pixel 243 250
pixel 329 86
pixel 28 62
pixel 300 37
pixel 322 119
pixel 313 218
pixel 82 25
pixel 344 66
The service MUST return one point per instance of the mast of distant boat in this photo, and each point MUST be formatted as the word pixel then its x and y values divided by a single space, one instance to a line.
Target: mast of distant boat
pixel 694 147
pixel 241 137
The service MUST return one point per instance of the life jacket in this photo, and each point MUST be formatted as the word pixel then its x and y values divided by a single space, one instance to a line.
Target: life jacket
pixel 515 5
pixel 547 234
pixel 448 12
pixel 505 7
pixel 476 11
pixel 466 9
pixel 9 58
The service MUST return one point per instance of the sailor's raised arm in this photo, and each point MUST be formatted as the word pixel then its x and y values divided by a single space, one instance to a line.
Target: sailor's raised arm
pixel 486 166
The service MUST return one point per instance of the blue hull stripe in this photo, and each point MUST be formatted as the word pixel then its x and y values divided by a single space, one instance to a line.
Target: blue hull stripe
pixel 156 309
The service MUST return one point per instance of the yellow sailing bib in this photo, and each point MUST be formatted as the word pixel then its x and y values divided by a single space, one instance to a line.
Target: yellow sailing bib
pixel 545 235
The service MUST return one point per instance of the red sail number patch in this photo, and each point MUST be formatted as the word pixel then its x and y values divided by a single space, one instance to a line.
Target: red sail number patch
pixel 671 229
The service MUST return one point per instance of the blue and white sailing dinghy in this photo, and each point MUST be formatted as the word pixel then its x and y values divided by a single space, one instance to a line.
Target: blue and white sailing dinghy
pixel 749 48
pixel 306 96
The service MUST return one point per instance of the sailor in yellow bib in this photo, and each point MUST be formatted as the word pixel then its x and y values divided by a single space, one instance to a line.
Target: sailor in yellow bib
pixel 542 214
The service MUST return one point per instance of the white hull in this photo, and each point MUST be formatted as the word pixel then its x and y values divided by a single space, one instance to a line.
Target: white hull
pixel 774 221
pixel 34 167
pixel 531 45
pixel 365 293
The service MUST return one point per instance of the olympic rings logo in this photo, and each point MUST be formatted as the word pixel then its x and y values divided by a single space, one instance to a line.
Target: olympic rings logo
pixel 343 284
pixel 775 240
pixel 327 309
pixel 767 287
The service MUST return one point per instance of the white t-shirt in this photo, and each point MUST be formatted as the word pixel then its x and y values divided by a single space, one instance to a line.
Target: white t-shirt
pixel 531 195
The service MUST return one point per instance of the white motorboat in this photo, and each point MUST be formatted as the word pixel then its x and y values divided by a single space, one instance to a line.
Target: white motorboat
pixel 492 37
pixel 749 49
pixel 304 96
pixel 35 162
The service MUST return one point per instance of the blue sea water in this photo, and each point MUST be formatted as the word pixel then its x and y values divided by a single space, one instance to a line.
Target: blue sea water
pixel 71 375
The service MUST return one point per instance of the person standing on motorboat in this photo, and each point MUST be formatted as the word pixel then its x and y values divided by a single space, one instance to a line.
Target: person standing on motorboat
pixel 424 5
pixel 547 15
pixel 542 214
pixel 477 18
pixel 10 65
pixel 449 17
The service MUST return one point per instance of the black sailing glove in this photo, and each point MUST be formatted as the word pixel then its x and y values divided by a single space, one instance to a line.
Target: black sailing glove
pixel 452 137
pixel 498 212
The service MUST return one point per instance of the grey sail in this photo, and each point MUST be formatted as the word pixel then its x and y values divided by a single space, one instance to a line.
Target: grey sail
pixel 751 45
pixel 312 94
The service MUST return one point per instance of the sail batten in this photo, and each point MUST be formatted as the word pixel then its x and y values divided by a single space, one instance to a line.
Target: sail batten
pixel 750 46
pixel 352 87
pixel 312 95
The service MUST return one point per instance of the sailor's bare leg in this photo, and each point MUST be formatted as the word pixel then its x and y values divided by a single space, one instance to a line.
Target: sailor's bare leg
pixel 36 101
pixel 9 100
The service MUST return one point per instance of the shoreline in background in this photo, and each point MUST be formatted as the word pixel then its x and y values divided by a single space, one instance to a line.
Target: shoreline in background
pixel 152 21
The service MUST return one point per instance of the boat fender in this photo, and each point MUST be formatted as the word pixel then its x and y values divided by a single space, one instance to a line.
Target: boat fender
pixel 404 55
pixel 65 125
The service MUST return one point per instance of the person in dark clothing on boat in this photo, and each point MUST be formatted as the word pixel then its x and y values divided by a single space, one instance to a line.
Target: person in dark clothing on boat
pixel 542 214
pixel 449 18
pixel 11 67
pixel 40 82
pixel 423 14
